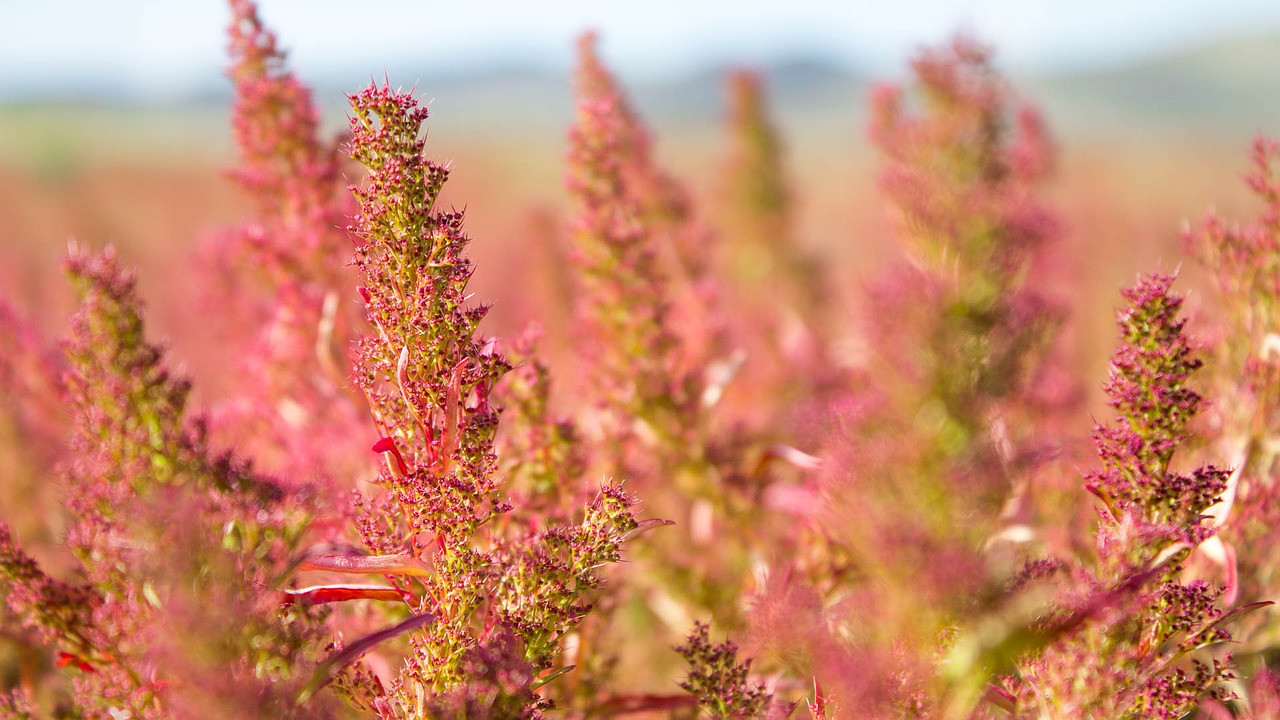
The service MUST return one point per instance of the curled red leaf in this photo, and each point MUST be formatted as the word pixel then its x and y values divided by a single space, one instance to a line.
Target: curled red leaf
pixel 388 445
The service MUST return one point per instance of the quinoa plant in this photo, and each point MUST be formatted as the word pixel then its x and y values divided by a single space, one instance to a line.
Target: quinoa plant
pixel 1136 632
pixel 756 186
pixel 779 300
pixel 960 182
pixel 661 363
pixel 500 599
pixel 287 267
pixel 171 611
pixel 658 364
pixel 625 246
pixel 935 444
pixel 780 285
pixel 1245 270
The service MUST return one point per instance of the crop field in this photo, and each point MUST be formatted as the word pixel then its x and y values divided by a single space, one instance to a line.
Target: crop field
pixel 892 399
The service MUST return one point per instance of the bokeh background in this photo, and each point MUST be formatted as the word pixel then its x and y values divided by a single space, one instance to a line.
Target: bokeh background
pixel 114 125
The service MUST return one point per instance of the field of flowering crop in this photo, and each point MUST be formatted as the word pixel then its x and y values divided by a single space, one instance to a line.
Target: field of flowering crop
pixel 706 469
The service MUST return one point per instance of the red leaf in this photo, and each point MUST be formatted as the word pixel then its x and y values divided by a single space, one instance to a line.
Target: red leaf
pixel 387 445
pixel 322 594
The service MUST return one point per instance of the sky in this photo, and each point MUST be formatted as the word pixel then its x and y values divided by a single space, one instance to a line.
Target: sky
pixel 160 48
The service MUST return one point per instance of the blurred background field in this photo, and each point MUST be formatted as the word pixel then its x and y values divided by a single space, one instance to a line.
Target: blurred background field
pixel 1145 144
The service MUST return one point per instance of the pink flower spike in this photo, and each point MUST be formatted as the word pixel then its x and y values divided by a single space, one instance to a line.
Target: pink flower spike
pixel 387 445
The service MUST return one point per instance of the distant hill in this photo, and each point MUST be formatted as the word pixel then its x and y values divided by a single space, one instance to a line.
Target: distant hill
pixel 1228 87
pixel 1226 91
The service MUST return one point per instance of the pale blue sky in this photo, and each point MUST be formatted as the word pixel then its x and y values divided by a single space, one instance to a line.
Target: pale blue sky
pixel 161 47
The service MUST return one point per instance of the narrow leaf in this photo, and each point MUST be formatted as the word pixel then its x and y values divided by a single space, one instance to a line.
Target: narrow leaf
pixel 550 676
pixel 322 594
pixel 367 564
pixel 325 671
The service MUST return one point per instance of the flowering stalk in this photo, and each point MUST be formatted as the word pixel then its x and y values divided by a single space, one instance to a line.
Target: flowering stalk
pixel 1143 657
pixel 960 186
pixel 934 447
pixel 297 412
pixel 756 186
pixel 760 233
pixel 1244 425
pixel 177 542
pixel 719 680
pixel 780 294
pixel 1245 263
pixel 658 361
pixel 624 222
pixel 291 175
pixel 428 377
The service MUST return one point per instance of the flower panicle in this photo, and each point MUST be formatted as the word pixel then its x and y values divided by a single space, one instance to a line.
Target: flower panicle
pixel 647 297
pixel 960 184
pixel 1150 390
pixel 958 181
pixel 427 375
pixel 761 244
pixel 287 266
pixel 957 330
pixel 176 541
pixel 1244 262
pixel 719 680
pixel 284 165
pixel 430 378
pixel 427 378
pixel 625 297
pixel 759 182
pixel 1243 259
pixel 549 587
pixel 1143 656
